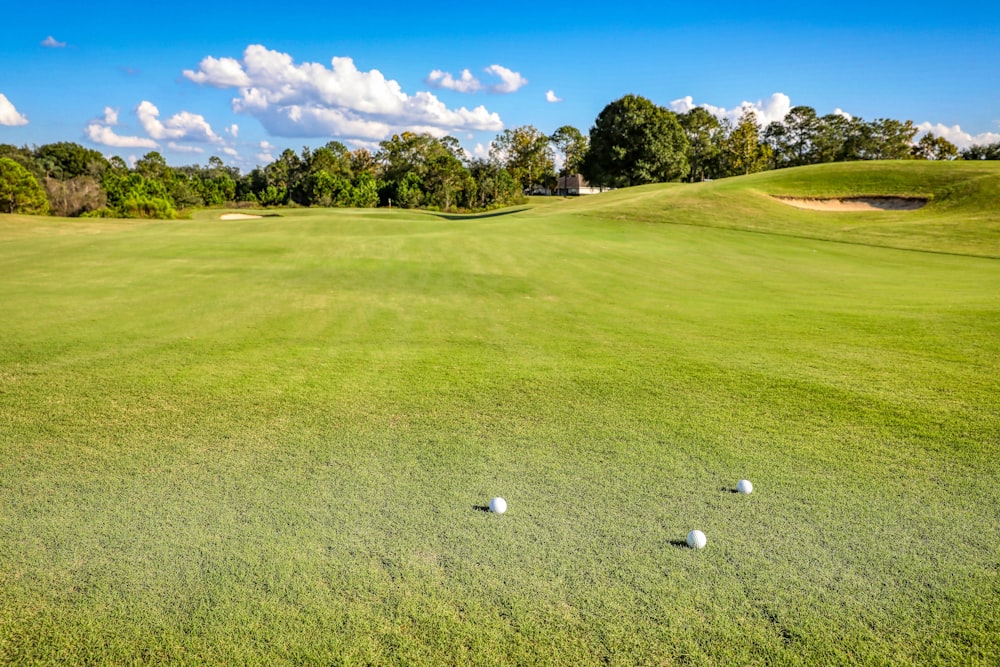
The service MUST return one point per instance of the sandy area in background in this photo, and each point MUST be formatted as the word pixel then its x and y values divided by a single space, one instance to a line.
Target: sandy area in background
pixel 856 203
pixel 237 216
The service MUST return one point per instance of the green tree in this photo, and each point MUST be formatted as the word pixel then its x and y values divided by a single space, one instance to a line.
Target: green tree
pixel 131 194
pixel 982 152
pixel 524 152
pixel 572 144
pixel 745 154
pixel 931 147
pixel 885 139
pixel 793 139
pixel 705 135
pixel 420 170
pixel 494 187
pixel 634 141
pixel 833 138
pixel 19 190
pixel 444 180
pixel 68 160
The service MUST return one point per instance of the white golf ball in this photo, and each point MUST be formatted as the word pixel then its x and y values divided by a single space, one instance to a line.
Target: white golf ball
pixel 498 505
pixel 744 486
pixel 697 539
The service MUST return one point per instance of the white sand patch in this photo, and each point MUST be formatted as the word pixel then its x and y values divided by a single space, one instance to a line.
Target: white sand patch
pixel 856 203
pixel 238 216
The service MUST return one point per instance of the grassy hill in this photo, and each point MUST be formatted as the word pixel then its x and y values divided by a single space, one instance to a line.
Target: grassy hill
pixel 270 441
pixel 963 215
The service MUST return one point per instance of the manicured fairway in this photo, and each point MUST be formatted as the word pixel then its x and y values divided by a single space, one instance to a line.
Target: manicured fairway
pixel 271 441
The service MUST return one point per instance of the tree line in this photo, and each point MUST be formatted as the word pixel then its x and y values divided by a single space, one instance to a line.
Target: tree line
pixel 632 142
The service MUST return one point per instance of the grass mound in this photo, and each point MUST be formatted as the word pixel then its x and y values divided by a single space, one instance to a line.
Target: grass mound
pixel 962 215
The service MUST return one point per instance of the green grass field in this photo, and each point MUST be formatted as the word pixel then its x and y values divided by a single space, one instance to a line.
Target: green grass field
pixel 270 441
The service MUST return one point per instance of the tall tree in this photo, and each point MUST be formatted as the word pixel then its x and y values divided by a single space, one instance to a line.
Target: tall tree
pixel 705 135
pixel 634 141
pixel 745 153
pixel 931 147
pixel 19 190
pixel 887 139
pixel 572 144
pixel 833 138
pixel 69 160
pixel 524 152
pixel 982 152
pixel 793 139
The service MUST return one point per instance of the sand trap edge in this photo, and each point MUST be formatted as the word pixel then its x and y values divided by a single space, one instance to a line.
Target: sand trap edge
pixel 855 203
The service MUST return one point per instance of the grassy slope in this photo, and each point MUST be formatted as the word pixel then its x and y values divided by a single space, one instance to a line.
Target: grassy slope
pixel 265 441
pixel 962 215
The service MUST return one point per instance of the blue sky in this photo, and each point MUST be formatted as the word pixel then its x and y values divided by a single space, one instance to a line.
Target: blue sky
pixel 245 80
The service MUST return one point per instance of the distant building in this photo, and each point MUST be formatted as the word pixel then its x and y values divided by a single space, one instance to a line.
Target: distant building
pixel 574 185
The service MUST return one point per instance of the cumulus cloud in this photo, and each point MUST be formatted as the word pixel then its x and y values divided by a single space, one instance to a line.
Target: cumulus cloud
pixel 181 148
pixel 233 130
pixel 550 96
pixel 51 42
pixel 482 151
pixel 9 115
pixel 185 126
pixel 466 83
pixel 181 127
pixel 311 100
pixel 219 73
pixel 956 135
pixel 510 81
pixel 266 152
pixel 104 135
pixel 774 108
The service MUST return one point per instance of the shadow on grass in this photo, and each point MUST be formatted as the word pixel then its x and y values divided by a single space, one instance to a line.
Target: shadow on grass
pixel 481 508
pixel 729 489
pixel 479 216
pixel 679 544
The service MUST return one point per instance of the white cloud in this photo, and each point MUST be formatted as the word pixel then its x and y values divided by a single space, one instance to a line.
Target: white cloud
pixel 312 100
pixel 101 134
pixel 510 81
pixel 843 114
pixel 183 126
pixel 180 148
pixel 110 116
pixel 233 130
pixel 466 83
pixel 51 42
pixel 220 73
pixel 9 115
pixel 481 151
pixel 550 96
pixel 775 107
pixel 266 152
pixel 232 152
pixel 957 135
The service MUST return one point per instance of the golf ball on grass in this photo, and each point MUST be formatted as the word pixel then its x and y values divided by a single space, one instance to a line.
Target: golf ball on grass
pixel 697 540
pixel 498 505
pixel 744 486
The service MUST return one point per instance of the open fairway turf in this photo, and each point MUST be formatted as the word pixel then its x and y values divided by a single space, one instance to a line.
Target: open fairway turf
pixel 271 441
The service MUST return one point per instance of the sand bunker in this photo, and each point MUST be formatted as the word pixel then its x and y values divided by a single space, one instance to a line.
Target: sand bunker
pixel 238 216
pixel 856 203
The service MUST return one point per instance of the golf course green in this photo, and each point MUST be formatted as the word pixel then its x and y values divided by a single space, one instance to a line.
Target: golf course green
pixel 274 441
